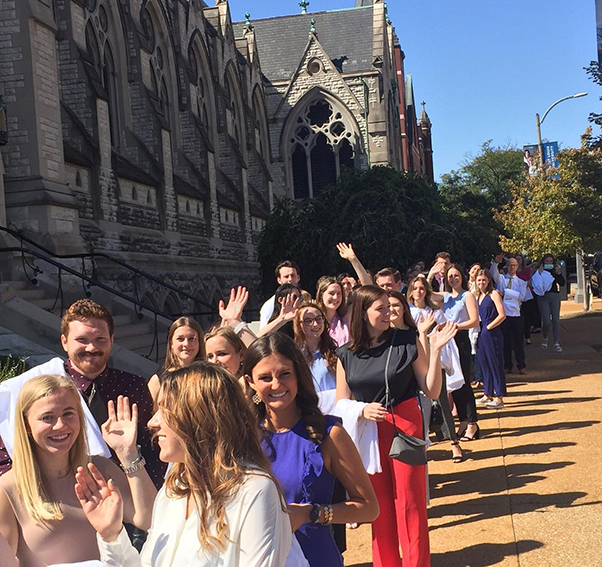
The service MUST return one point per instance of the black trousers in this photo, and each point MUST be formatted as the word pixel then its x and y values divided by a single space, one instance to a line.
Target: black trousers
pixel 464 397
pixel 513 330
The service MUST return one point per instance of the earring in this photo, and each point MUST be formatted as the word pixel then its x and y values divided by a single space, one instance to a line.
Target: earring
pixel 256 399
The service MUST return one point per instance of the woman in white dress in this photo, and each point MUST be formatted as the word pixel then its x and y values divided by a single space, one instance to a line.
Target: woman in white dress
pixel 220 506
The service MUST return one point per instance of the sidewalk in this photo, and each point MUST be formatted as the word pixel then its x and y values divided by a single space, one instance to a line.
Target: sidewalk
pixel 529 493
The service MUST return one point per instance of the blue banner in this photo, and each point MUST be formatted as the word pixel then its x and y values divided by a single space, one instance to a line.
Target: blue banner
pixel 531 158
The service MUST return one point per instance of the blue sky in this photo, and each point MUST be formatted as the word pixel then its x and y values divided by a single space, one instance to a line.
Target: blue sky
pixel 486 67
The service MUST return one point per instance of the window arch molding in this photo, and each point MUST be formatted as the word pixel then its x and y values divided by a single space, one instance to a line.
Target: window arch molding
pixel 204 81
pixel 235 119
pixel 261 124
pixel 105 33
pixel 319 119
pixel 163 64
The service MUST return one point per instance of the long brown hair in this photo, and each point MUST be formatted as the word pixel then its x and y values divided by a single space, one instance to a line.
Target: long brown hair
pixel 485 272
pixel 359 334
pixel 427 286
pixel 460 269
pixel 171 360
pixel 408 320
pixel 323 283
pixel 205 407
pixel 326 344
pixel 29 477
pixel 307 398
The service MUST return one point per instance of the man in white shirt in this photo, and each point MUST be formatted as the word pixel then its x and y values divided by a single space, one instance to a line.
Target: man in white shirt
pixel 514 291
pixel 286 272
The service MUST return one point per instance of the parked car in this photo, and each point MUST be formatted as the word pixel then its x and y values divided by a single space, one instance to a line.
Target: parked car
pixel 594 274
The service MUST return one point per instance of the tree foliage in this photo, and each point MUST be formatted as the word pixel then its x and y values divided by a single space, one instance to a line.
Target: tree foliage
pixel 595 73
pixel 392 218
pixel 558 215
pixel 472 194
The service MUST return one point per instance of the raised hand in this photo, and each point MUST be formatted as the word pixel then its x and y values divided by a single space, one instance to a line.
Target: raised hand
pixel 442 335
pixel 233 311
pixel 499 258
pixel 290 304
pixel 425 321
pixel 120 431
pixel 346 251
pixel 101 502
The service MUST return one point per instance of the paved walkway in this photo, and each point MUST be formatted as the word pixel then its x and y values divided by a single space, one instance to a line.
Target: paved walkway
pixel 529 493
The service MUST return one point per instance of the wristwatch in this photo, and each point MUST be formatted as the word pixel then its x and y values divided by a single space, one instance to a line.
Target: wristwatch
pixel 314 514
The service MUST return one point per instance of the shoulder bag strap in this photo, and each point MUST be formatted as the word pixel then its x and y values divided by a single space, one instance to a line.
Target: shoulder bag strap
pixel 388 401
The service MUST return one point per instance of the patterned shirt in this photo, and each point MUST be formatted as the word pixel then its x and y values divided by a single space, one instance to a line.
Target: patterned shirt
pixel 109 384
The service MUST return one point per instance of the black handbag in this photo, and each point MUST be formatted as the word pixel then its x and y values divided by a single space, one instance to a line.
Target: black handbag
pixel 405 448
pixel 436 421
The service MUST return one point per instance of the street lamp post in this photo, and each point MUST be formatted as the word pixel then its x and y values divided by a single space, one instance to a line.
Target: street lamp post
pixel 540 122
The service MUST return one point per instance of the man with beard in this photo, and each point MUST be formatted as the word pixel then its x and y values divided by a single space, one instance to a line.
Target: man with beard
pixel 87 337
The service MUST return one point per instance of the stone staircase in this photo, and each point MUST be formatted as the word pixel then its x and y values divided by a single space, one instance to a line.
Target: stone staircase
pixel 137 336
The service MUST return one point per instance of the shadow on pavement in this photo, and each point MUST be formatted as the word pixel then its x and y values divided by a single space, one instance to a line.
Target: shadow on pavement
pixel 489 507
pixel 490 480
pixel 482 554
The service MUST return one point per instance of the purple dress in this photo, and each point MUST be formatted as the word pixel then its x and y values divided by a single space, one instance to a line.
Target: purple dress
pixel 490 351
pixel 299 468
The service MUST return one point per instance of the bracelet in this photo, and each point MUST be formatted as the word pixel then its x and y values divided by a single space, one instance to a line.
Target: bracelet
pixel 135 465
pixel 240 327
pixel 328 513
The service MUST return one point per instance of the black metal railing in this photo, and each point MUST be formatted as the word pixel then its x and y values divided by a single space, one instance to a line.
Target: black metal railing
pixel 137 272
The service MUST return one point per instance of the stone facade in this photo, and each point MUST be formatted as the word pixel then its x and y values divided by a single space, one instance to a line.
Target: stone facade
pixel 137 128
pixel 148 130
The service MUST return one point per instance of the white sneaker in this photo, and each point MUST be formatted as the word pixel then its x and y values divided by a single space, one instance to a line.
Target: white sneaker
pixel 557 347
pixel 494 404
pixel 544 343
pixel 484 400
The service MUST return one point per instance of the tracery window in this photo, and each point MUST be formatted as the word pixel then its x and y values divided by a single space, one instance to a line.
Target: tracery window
pixel 101 56
pixel 321 142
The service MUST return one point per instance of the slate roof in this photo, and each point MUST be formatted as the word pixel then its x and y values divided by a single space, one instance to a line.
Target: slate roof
pixel 345 35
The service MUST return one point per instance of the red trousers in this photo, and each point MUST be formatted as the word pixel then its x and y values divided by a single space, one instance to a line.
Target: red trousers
pixel 401 493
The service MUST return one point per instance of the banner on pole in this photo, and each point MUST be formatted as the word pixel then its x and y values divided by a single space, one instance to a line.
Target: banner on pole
pixel 531 157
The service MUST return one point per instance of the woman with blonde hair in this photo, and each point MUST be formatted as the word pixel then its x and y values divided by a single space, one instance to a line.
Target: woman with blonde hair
pixel 40 516
pixel 185 345
pixel 219 505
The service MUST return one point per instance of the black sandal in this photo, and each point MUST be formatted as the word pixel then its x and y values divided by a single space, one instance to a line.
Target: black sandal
pixel 477 434
pixel 457 458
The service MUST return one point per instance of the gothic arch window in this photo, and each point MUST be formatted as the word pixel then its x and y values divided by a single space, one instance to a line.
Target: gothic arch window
pixel 261 128
pixel 156 34
pixel 233 109
pixel 202 101
pixel 109 80
pixel 100 35
pixel 321 139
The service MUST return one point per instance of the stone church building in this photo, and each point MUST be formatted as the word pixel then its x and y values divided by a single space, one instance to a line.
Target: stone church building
pixel 159 132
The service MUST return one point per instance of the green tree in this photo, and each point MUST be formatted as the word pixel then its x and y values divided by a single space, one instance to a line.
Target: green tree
pixel 595 73
pixel 471 195
pixel 558 215
pixel 392 218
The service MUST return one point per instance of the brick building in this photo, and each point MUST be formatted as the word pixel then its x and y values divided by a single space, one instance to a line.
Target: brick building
pixel 159 131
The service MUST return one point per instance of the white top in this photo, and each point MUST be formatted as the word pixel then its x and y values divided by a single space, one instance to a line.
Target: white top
pixel 258 527
pixel 266 312
pixel 514 290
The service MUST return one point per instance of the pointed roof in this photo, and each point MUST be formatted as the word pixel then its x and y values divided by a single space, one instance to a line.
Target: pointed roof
pixel 346 35
pixel 424 117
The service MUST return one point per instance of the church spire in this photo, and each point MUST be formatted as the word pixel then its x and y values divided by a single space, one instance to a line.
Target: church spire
pixel 424 117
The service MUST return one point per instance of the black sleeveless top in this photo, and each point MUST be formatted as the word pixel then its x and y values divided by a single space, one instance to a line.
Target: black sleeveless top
pixel 365 371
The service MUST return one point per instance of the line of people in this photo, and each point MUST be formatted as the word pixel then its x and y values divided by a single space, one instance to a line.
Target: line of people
pixel 287 432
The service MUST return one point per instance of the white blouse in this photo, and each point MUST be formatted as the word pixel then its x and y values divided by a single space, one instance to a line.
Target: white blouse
pixel 259 533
